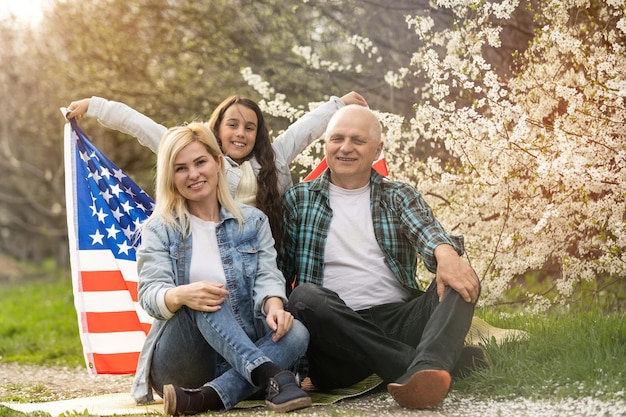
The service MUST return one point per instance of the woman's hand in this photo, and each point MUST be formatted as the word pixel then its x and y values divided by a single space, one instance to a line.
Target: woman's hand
pixel 78 109
pixel 279 320
pixel 202 296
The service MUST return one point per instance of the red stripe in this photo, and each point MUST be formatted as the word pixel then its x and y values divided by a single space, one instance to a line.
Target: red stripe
pixel 317 171
pixel 115 363
pixel 381 167
pixel 145 327
pixel 110 322
pixel 132 289
pixel 107 281
pixel 102 281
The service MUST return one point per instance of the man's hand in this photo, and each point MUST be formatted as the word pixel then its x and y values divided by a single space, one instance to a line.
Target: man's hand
pixel 456 273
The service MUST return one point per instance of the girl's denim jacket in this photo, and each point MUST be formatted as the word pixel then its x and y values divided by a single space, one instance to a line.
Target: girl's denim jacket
pixel 249 261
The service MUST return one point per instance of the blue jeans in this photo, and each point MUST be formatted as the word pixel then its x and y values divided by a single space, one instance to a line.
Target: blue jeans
pixel 347 346
pixel 198 349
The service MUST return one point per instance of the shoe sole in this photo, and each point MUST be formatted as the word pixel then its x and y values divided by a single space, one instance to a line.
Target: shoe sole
pixel 169 400
pixel 424 389
pixel 295 404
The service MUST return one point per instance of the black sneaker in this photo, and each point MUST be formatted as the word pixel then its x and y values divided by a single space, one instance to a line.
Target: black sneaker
pixel 473 358
pixel 284 394
pixel 184 401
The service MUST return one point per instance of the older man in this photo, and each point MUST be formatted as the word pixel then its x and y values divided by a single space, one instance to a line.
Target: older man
pixel 350 240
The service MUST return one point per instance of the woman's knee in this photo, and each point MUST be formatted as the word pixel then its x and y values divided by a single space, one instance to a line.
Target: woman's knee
pixel 299 333
pixel 297 339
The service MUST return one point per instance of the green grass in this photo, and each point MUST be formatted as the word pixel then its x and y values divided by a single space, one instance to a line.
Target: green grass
pixel 575 352
pixel 38 324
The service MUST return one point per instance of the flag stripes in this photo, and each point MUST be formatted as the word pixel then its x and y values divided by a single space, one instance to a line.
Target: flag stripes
pixel 104 210
pixel 379 165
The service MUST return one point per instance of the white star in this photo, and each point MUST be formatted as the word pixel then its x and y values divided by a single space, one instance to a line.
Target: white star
pixel 129 191
pixel 106 173
pixel 106 195
pixel 96 176
pixel 101 215
pixel 126 206
pixel 124 248
pixel 97 237
pixel 112 231
pixel 119 174
pixel 128 231
pixel 117 214
pixel 115 189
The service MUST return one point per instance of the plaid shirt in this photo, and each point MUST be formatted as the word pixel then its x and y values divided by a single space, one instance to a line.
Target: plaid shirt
pixel 403 224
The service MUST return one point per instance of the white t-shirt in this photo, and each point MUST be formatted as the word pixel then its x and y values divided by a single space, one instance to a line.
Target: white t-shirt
pixel 206 262
pixel 354 265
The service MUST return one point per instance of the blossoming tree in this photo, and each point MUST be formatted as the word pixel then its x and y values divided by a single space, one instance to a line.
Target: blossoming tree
pixel 536 177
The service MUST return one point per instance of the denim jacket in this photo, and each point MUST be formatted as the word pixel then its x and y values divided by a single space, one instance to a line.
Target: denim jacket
pixel 249 261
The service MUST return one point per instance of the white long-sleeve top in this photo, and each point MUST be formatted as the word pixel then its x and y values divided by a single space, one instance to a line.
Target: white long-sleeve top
pixel 301 133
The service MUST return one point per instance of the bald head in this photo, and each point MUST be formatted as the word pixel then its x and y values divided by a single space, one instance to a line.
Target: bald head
pixel 364 114
pixel 353 143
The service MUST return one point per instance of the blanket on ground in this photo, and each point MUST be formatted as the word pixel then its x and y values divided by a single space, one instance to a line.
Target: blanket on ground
pixel 123 404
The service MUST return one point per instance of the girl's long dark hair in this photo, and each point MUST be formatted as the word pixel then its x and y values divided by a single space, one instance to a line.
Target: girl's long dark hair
pixel 268 198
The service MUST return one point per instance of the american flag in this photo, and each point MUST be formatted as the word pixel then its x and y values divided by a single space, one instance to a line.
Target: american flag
pixel 380 165
pixel 104 209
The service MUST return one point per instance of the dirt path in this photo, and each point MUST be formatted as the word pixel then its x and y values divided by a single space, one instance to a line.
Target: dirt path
pixel 38 384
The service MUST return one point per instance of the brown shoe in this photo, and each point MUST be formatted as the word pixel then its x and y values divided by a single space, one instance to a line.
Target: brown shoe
pixel 424 389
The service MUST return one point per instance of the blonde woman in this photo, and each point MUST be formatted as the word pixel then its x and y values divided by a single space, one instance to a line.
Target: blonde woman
pixel 208 275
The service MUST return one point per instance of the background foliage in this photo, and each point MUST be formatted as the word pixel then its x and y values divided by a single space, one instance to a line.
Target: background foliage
pixel 508 115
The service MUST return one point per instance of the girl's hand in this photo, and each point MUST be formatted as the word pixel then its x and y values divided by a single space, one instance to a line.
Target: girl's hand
pixel 78 109
pixel 354 98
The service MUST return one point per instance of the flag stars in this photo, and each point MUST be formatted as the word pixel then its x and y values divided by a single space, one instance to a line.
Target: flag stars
pixel 128 231
pixel 96 176
pixel 107 196
pixel 101 215
pixel 130 192
pixel 119 174
pixel 117 214
pixel 105 173
pixel 126 206
pixel 115 189
pixel 97 238
pixel 124 248
pixel 112 232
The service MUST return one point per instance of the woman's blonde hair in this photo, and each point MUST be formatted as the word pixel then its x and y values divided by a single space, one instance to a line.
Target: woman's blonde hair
pixel 170 205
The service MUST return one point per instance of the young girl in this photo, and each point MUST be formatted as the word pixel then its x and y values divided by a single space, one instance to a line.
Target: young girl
pixel 257 168
pixel 208 275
